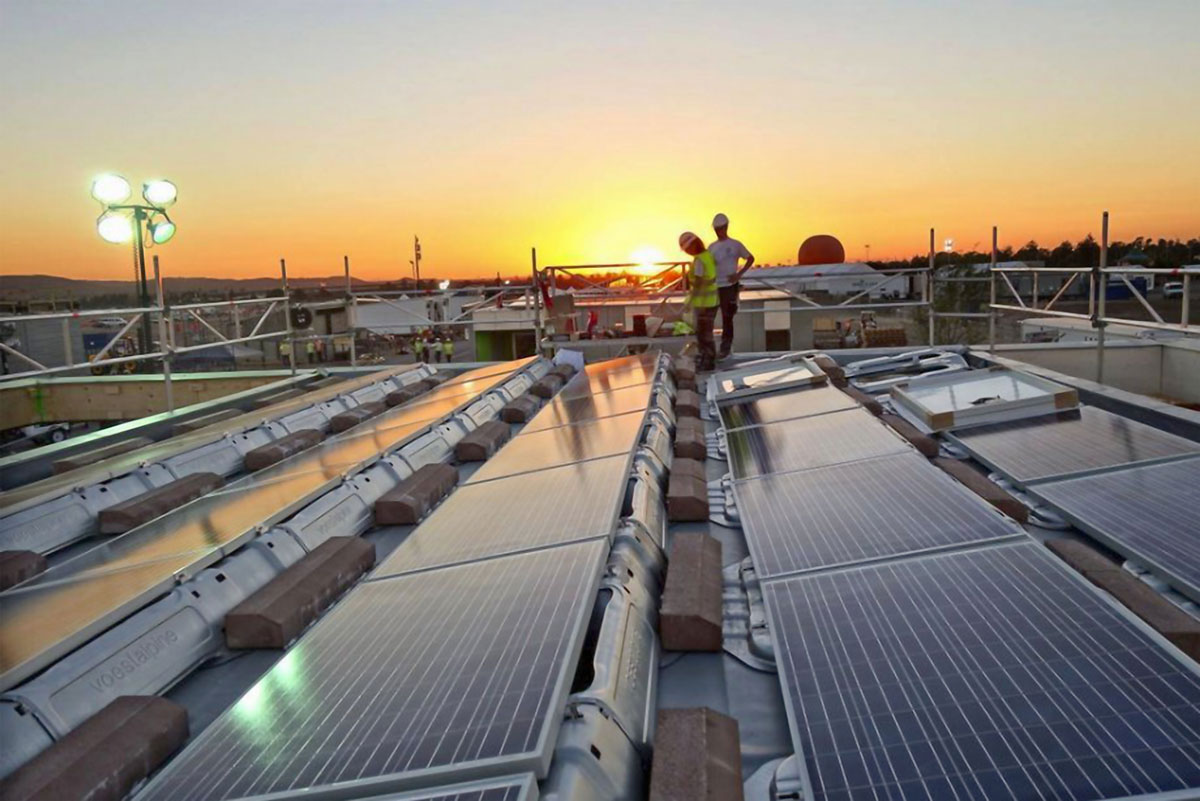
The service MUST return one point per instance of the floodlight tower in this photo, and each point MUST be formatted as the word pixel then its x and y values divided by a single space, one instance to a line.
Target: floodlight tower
pixel 120 222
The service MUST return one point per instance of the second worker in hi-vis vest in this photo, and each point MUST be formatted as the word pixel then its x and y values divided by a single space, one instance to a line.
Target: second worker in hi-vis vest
pixel 702 297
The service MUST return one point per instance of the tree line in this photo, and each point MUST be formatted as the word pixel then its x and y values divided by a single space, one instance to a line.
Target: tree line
pixel 1144 250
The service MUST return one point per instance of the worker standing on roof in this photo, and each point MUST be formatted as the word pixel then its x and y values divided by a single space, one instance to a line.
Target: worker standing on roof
pixel 727 252
pixel 702 297
pixel 448 349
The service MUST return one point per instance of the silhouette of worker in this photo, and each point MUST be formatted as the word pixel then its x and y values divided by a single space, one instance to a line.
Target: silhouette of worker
pixel 727 252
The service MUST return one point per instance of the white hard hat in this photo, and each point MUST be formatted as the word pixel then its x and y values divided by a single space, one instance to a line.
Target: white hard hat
pixel 720 221
pixel 686 238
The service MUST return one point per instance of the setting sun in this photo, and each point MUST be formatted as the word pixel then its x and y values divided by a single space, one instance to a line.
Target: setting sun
pixel 647 260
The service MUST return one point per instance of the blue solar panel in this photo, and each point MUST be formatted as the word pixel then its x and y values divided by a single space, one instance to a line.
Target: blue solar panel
pixel 811 442
pixel 1149 513
pixel 409 682
pixel 518 513
pixel 532 451
pixel 611 375
pixel 571 411
pixel 990 674
pixel 861 511
pixel 1038 448
pixel 785 406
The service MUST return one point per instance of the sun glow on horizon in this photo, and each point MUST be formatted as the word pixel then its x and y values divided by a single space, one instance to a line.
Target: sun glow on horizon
pixel 647 260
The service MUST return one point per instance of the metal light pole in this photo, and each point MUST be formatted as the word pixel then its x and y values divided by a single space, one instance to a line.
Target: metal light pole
pixel 417 261
pixel 121 221
pixel 143 289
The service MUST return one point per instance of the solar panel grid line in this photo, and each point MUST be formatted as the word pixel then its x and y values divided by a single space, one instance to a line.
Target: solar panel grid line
pixel 581 392
pixel 530 452
pixel 354 760
pixel 858 745
pixel 1116 468
pixel 516 513
pixel 583 384
pixel 477 629
pixel 489 371
pixel 869 510
pixel 363 699
pixel 995 773
pixel 1049 447
pixel 1146 512
pixel 397 571
pixel 808 443
pixel 572 411
pixel 513 788
pixel 1094 594
pixel 784 406
pixel 758 423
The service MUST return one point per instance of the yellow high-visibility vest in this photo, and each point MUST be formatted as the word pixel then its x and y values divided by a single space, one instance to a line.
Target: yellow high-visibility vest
pixel 704 287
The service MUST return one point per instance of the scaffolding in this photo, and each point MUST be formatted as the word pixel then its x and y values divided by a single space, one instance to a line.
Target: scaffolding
pixel 1098 277
pixel 162 318
pixel 666 283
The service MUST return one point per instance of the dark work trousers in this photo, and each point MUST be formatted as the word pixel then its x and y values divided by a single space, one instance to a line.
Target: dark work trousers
pixel 729 306
pixel 707 358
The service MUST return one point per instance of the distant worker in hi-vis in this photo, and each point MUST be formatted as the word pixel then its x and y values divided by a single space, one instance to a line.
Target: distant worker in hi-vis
pixel 448 349
pixel 418 348
pixel 727 251
pixel 702 297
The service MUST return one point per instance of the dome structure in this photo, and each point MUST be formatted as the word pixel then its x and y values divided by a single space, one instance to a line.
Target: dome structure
pixel 821 249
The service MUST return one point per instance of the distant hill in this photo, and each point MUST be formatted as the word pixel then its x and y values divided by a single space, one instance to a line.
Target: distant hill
pixel 45 287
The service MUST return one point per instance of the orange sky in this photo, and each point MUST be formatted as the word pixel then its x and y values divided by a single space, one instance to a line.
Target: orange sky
pixel 312 130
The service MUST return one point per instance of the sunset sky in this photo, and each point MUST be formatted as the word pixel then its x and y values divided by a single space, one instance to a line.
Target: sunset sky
pixel 589 130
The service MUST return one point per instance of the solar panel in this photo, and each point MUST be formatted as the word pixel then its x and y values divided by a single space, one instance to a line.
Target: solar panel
pixel 810 442
pixel 639 361
pixel 607 376
pixel 1149 513
pixel 785 406
pixel 994 674
pixel 409 682
pixel 860 511
pixel 537 450
pixel 78 598
pixel 1069 442
pixel 568 411
pixel 487 371
pixel 518 513
pixel 13 500
pixel 514 788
